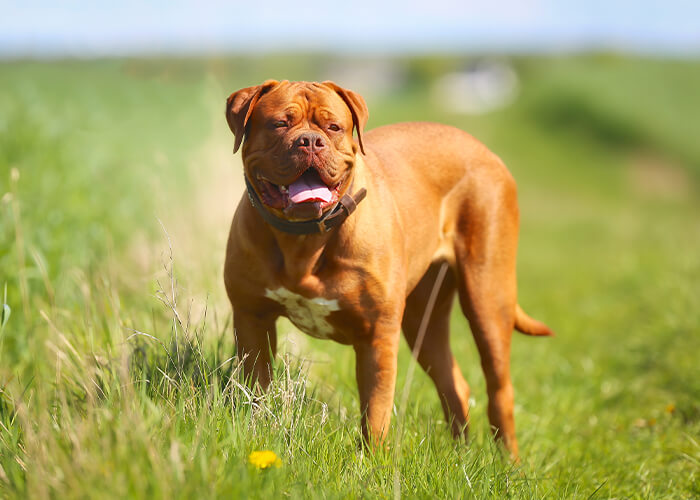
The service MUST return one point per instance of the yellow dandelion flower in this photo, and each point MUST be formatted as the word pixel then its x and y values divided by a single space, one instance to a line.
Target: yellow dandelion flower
pixel 264 458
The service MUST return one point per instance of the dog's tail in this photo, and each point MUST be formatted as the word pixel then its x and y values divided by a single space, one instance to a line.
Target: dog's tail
pixel 525 324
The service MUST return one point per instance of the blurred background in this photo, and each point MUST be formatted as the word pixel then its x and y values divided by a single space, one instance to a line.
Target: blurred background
pixel 117 178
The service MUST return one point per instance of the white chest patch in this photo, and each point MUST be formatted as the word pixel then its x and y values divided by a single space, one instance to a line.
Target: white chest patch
pixel 308 315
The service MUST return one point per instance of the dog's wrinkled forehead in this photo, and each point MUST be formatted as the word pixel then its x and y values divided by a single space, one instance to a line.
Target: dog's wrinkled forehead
pixel 302 97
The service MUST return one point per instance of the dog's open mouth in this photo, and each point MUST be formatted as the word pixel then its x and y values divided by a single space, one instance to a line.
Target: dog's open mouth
pixel 305 198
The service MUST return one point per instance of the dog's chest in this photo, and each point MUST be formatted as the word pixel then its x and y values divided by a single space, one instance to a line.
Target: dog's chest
pixel 309 315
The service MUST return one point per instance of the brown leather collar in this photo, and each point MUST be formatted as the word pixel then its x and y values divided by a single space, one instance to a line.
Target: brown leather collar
pixel 332 218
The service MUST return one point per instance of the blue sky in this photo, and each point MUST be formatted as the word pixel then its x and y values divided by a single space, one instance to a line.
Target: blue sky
pixel 84 29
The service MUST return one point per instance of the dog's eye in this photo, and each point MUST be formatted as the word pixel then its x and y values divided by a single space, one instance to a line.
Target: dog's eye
pixel 334 127
pixel 280 124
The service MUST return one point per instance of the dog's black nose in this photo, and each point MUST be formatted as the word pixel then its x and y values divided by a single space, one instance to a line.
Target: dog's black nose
pixel 310 142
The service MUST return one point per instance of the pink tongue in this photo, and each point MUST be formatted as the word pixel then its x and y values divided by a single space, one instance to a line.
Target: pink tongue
pixel 308 188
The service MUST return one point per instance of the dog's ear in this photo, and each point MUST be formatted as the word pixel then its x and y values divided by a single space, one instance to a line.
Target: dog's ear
pixel 357 106
pixel 239 107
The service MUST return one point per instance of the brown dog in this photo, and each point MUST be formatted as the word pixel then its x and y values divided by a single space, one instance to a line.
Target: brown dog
pixel 434 195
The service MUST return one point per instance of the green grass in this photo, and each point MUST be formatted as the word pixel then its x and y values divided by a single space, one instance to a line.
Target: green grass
pixel 116 363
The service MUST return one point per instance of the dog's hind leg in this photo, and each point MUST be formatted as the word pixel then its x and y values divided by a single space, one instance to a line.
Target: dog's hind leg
pixel 485 251
pixel 435 355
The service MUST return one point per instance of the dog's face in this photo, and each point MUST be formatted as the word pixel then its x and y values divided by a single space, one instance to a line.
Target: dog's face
pixel 299 151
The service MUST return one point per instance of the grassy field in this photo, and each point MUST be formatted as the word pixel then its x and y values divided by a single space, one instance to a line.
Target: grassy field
pixel 117 185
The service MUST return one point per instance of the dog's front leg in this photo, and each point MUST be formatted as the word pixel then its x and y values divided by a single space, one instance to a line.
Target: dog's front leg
pixel 256 345
pixel 376 360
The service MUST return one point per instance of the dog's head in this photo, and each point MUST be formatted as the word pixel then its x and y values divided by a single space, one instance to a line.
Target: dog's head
pixel 299 152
